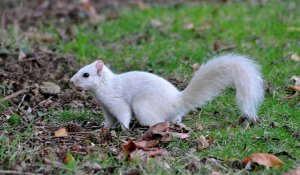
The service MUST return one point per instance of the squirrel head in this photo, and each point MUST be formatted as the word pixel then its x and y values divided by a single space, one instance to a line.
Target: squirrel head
pixel 89 76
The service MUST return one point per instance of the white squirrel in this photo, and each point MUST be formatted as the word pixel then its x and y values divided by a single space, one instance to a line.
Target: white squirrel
pixel 153 99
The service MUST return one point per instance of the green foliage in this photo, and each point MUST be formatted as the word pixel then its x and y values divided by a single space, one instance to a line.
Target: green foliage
pixel 14 119
pixel 75 115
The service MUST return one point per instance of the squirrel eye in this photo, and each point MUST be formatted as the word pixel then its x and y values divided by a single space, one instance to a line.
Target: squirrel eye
pixel 86 75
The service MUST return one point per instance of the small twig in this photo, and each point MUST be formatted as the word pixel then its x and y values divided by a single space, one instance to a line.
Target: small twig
pixel 16 172
pixel 292 96
pixel 29 59
pixel 26 89
pixel 20 109
pixel 22 100
pixel 42 102
pixel 74 133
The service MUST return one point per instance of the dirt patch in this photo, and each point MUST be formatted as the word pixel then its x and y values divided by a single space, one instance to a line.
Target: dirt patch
pixel 29 13
pixel 37 81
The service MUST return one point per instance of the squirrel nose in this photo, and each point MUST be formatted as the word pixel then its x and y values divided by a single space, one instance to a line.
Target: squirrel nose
pixel 72 80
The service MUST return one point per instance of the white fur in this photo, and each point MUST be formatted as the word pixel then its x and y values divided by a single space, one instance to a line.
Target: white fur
pixel 152 99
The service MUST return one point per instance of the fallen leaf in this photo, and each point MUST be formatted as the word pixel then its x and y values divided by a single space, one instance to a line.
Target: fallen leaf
pixel 296 80
pixel 210 140
pixel 189 26
pixel 295 88
pixel 295 57
pixel 198 127
pixel 215 173
pixel 203 143
pixel 142 5
pixel 21 56
pixel 292 28
pixel 76 148
pixel 267 160
pixel 205 25
pixel 155 129
pixel 295 171
pixel 181 128
pixel 156 23
pixel 61 132
pixel 144 154
pixel 195 67
pixel 72 127
pixel 49 88
pixel 39 37
pixel 193 166
pixel 91 165
pixel 68 158
pixel 219 46
pixel 180 135
pixel 89 8
pixel 146 144
pixel 141 150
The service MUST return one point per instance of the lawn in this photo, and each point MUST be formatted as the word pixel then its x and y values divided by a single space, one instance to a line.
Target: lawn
pixel 166 40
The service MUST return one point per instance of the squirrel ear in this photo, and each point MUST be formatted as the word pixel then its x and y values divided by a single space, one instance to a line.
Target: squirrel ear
pixel 99 66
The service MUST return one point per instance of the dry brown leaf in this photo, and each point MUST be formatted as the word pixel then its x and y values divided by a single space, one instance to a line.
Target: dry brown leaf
pixel 189 26
pixel 203 143
pixel 180 135
pixel 292 28
pixel 156 23
pixel 295 88
pixel 211 140
pixel 195 67
pixel 205 25
pixel 89 8
pixel 76 148
pixel 21 56
pixel 72 127
pixel 198 127
pixel 295 57
pixel 219 46
pixel 141 150
pixel 215 173
pixel 38 37
pixel 69 158
pixel 146 144
pixel 61 132
pixel 127 148
pixel 144 154
pixel 158 128
pixel 296 80
pixel 267 160
pixel 142 5
pixel 295 171
pixel 181 128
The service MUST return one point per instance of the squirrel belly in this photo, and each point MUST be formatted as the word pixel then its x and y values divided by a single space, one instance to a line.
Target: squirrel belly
pixel 152 99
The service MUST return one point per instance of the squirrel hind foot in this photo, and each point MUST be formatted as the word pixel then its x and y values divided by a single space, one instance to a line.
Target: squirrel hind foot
pixel 245 118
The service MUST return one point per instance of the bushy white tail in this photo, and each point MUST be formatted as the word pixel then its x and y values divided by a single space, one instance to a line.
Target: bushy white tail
pixel 222 72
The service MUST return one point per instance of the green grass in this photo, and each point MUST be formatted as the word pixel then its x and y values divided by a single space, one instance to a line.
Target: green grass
pixel 260 32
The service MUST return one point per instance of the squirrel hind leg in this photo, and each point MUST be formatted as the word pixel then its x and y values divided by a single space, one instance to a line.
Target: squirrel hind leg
pixel 146 113
pixel 178 118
